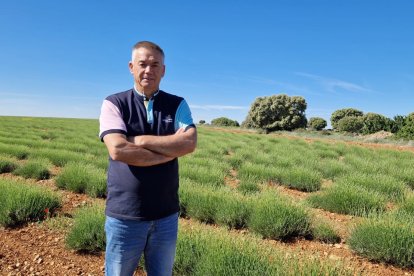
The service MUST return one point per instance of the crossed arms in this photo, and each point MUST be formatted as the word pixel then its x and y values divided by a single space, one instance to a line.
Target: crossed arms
pixel 149 150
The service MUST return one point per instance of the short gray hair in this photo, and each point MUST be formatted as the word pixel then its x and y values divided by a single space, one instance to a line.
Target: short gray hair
pixel 148 45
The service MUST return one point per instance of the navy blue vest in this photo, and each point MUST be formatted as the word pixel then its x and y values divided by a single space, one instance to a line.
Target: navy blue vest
pixel 143 193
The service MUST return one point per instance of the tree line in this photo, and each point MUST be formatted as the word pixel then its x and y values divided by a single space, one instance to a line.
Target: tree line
pixel 282 112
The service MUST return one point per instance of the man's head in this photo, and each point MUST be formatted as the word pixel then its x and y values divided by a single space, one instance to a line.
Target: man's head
pixel 147 66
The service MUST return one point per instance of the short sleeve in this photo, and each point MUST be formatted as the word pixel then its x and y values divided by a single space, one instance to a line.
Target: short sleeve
pixel 110 120
pixel 183 118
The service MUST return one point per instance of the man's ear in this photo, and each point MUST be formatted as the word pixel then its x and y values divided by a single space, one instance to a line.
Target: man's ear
pixel 131 67
pixel 163 71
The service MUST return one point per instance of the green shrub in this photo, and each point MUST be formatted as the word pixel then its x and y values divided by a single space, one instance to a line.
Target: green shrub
pixel 37 169
pixel 21 203
pixel 232 210
pixel 387 186
pixel 235 161
pixel 322 231
pixel 327 153
pixel 407 130
pixel 302 179
pixel 277 112
pixel 388 240
pixel 212 205
pixel 332 169
pixel 342 113
pixel 87 233
pixel 197 201
pixel 204 250
pixel 374 122
pixel 408 206
pixel 17 151
pixel 317 123
pixel 48 136
pixel 397 123
pixel 223 121
pixel 236 258
pixel 191 246
pixel 248 187
pixel 82 178
pixel 59 157
pixel 352 200
pixel 274 217
pixel 205 173
pixel 100 162
pixel 257 173
pixel 404 174
pixel 248 123
pixel 350 124
pixel 7 165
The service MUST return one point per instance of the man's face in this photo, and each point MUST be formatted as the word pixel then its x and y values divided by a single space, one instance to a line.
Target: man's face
pixel 147 67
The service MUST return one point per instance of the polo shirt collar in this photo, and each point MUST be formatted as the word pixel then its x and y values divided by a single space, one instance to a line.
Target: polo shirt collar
pixel 143 95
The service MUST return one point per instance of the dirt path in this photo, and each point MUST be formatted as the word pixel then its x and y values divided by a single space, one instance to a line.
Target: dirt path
pixel 36 250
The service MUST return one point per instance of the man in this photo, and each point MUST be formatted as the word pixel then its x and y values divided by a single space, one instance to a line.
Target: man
pixel 144 129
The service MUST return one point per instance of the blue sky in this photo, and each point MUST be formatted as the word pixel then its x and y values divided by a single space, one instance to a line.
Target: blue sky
pixel 62 58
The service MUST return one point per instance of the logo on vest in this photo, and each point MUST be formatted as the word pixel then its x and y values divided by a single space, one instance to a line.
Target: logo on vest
pixel 168 119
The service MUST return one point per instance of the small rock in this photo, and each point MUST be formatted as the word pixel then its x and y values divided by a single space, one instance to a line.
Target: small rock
pixel 17 265
pixel 39 261
pixel 31 269
pixel 36 257
pixel 56 239
pixel 52 263
pixel 338 245
pixel 26 263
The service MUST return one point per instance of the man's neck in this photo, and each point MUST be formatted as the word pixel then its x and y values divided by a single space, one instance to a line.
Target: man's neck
pixel 147 95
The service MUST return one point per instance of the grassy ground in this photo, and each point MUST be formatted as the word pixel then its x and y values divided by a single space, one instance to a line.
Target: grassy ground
pixel 233 180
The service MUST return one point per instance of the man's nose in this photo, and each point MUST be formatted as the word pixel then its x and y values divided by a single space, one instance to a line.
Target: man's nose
pixel 147 69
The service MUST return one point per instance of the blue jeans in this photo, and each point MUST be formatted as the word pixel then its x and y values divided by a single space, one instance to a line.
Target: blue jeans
pixel 127 239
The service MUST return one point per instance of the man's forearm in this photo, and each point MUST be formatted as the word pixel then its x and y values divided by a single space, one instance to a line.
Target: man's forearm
pixel 121 150
pixel 141 157
pixel 176 145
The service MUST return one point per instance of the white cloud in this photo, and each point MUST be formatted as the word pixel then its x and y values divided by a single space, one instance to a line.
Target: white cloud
pixel 332 85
